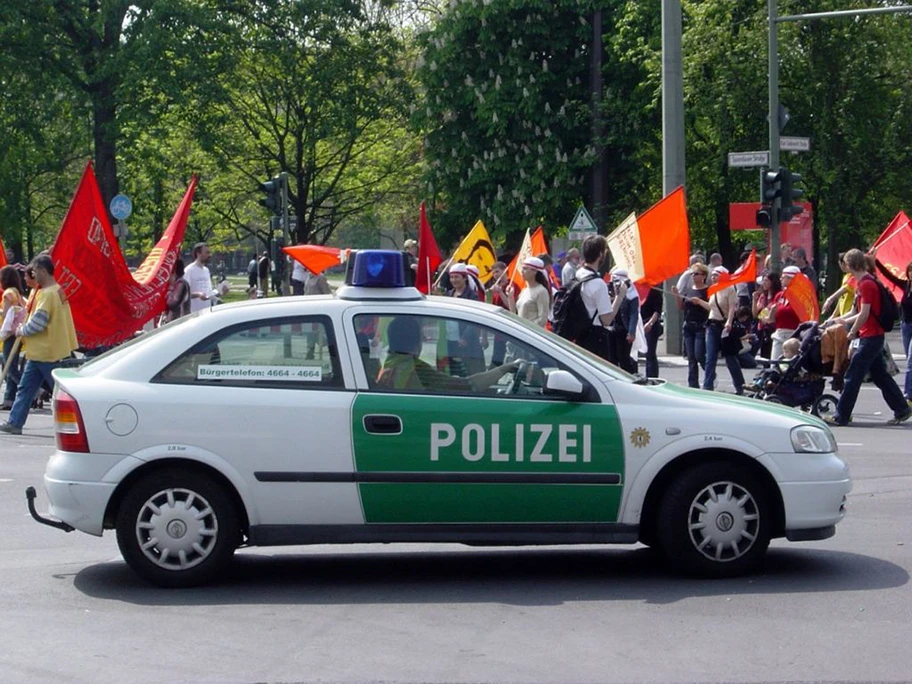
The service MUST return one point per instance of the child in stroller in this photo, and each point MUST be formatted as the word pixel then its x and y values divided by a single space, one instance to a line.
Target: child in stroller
pixel 798 379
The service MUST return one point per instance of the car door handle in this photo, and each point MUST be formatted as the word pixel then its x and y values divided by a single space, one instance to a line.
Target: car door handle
pixel 383 425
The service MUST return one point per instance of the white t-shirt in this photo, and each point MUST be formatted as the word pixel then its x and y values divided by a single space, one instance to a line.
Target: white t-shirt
pixel 568 273
pixel 533 304
pixel 595 296
pixel 298 272
pixel 200 281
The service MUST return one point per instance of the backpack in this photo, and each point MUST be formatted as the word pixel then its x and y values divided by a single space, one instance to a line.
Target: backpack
pixel 889 309
pixel 569 317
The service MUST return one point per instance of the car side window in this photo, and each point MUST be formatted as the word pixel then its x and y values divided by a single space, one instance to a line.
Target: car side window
pixel 288 353
pixel 440 355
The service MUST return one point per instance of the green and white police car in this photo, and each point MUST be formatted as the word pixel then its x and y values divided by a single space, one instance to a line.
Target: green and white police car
pixel 382 415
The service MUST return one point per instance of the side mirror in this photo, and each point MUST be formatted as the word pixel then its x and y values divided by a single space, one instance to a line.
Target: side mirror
pixel 563 383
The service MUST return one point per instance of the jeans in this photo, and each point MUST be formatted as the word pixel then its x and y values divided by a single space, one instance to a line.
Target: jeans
pixel 906 331
pixel 869 359
pixel 14 374
pixel 713 347
pixel 34 373
pixel 695 348
pixel 652 343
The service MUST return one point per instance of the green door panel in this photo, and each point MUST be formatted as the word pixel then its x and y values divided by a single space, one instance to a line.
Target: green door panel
pixel 478 460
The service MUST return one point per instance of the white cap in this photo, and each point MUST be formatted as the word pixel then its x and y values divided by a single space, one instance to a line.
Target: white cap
pixel 459 268
pixel 720 269
pixel 472 268
pixel 791 270
pixel 534 263
pixel 619 273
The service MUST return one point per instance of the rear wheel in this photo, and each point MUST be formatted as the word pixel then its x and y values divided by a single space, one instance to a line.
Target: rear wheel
pixel 774 399
pixel 177 528
pixel 715 521
pixel 825 405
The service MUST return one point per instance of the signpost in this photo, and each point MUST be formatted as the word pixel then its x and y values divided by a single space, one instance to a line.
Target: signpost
pixel 582 225
pixel 121 207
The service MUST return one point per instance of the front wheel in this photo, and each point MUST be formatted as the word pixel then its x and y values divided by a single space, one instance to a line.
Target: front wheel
pixel 714 521
pixel 825 405
pixel 177 528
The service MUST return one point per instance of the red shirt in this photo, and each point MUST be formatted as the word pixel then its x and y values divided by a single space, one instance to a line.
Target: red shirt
pixel 867 292
pixel 786 318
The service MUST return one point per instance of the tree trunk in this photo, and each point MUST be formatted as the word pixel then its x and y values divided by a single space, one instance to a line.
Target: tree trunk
pixel 105 134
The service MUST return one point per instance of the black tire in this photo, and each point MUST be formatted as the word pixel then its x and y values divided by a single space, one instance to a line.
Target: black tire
pixel 825 405
pixel 715 521
pixel 774 399
pixel 194 514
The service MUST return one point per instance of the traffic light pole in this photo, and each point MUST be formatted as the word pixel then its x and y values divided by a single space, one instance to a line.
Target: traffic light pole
pixel 286 272
pixel 774 20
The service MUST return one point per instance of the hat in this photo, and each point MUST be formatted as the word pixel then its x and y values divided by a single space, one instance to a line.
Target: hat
pixel 720 269
pixel 562 255
pixel 619 273
pixel 460 268
pixel 410 243
pixel 472 268
pixel 791 270
pixel 534 263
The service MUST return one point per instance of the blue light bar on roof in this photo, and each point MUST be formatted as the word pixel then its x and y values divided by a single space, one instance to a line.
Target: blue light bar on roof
pixel 376 268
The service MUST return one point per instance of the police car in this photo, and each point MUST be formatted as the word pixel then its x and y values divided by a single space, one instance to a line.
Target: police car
pixel 382 415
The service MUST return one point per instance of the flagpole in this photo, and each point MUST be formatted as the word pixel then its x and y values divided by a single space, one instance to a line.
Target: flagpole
pixel 442 272
pixel 427 272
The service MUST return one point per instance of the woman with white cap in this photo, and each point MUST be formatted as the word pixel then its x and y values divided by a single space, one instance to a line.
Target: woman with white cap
pixel 782 314
pixel 464 346
pixel 534 302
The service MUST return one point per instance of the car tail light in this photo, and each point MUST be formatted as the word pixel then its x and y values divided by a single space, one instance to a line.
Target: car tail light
pixel 68 426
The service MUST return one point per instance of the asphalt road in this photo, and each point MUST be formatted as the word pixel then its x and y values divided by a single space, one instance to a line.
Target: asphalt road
pixel 836 610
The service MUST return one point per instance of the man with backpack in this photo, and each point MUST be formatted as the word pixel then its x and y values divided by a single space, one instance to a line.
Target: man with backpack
pixel 866 338
pixel 584 311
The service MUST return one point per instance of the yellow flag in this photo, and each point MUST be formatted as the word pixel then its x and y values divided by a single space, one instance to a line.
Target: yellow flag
pixel 477 249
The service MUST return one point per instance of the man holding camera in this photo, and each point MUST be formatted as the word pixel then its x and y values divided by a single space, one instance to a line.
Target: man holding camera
pixel 624 328
pixel 601 307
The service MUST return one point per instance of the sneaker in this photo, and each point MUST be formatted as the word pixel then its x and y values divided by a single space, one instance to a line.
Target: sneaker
pixel 835 421
pixel 11 429
pixel 893 421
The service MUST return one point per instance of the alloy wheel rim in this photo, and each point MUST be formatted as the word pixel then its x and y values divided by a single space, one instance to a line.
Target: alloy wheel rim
pixel 723 522
pixel 176 529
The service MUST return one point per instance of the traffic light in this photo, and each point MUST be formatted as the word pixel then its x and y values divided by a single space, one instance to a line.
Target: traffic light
pixel 770 193
pixel 273 199
pixel 790 194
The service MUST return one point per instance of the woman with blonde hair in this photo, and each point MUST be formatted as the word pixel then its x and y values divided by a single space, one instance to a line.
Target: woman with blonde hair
pixel 12 298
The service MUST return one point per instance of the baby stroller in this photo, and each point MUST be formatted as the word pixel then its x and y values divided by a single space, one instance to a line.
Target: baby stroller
pixel 799 381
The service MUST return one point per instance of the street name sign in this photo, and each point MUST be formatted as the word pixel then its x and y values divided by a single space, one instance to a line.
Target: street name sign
pixel 748 160
pixel 795 144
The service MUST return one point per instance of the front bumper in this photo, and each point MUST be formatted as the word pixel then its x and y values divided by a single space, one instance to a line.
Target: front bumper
pixel 814 488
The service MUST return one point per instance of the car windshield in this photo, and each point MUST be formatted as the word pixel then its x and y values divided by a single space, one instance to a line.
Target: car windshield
pixel 98 363
pixel 572 348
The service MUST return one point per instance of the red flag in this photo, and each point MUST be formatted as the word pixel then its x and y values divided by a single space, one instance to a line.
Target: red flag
pixel 746 274
pixel 894 251
pixel 3 261
pixel 803 298
pixel 315 258
pixel 428 254
pixel 107 302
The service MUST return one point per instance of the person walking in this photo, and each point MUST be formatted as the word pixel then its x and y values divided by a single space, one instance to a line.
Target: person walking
pixel 651 313
pixel 49 337
pixel 721 307
pixel 905 305
pixel 534 302
pixel 177 301
pixel 693 330
pixel 13 304
pixel 199 279
pixel 866 336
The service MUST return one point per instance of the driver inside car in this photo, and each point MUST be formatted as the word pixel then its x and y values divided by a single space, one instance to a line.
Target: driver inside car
pixel 403 370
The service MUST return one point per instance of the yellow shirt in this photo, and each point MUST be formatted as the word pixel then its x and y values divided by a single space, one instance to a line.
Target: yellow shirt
pixel 58 339
pixel 844 304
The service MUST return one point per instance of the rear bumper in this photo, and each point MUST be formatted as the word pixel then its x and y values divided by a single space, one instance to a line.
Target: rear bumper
pixel 79 504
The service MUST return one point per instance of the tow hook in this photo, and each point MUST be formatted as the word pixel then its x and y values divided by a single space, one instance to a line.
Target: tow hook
pixel 30 495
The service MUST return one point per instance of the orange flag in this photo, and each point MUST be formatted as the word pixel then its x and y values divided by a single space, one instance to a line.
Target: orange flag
pixel 746 274
pixel 803 298
pixel 533 245
pixel 654 246
pixel 428 254
pixel 315 258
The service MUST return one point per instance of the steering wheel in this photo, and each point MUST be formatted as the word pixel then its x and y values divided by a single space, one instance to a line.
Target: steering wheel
pixel 516 381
